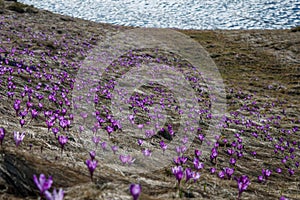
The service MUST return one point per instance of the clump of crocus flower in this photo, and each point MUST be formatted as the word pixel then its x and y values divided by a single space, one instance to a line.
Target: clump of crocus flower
pixel 266 173
pixel 135 191
pixel 42 183
pixel 243 182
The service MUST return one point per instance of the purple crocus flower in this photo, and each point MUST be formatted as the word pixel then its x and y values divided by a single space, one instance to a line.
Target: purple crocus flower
pixel 291 172
pixel 104 146
pixel 221 174
pixel 232 161
pixel 196 176
pixel 18 137
pixel 55 195
pixel 230 151
pixel 96 140
pixel 91 164
pixel 188 174
pixel 55 130
pixel 184 140
pixel 109 130
pixel 29 105
pixel 163 145
pixel 116 124
pixel 135 191
pixel 176 161
pixel 229 172
pixel 42 183
pixel 243 182
pixel 183 160
pixel 50 123
pixel 214 154
pixel 278 170
pixel 201 137
pixel 178 150
pixel 178 173
pixel 114 149
pixel 283 198
pixel 198 165
pixel 126 159
pixel 260 179
pixel 131 119
pixel 34 114
pixel 63 123
pixel 170 129
pixel 62 141
pixel 183 149
pixel 92 155
pixel 2 135
pixel 266 173
pixel 140 126
pixel 198 153
pixel 239 154
pixel 81 129
pixel 17 106
pixel 147 152
pixel 22 122
pixel 140 142
pixel 212 170
pixel 23 113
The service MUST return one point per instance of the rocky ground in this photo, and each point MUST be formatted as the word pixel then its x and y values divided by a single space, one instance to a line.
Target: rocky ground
pixel 261 74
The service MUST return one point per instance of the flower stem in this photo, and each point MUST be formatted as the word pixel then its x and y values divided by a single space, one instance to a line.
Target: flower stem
pixel 178 188
pixel 239 196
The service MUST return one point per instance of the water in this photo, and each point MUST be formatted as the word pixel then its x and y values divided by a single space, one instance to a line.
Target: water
pixel 183 14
